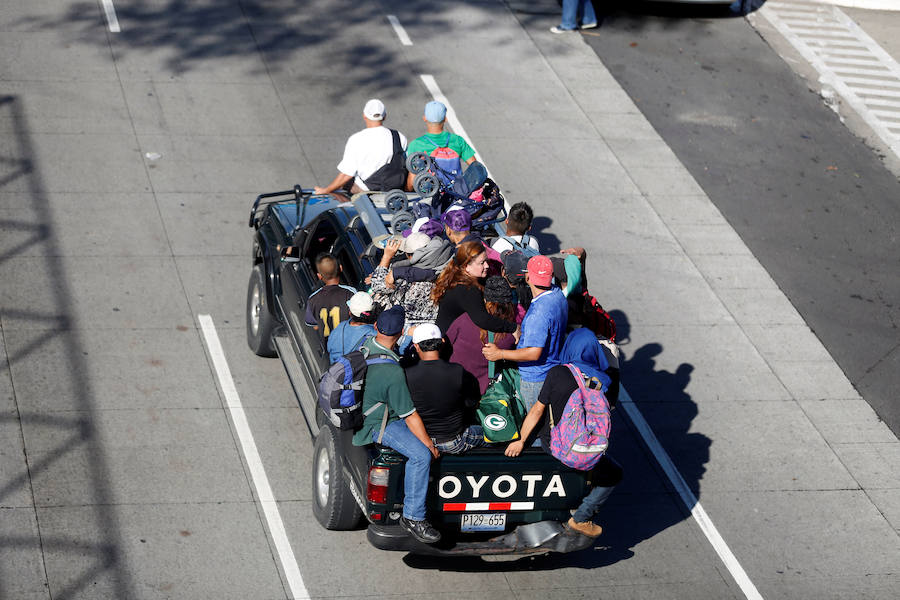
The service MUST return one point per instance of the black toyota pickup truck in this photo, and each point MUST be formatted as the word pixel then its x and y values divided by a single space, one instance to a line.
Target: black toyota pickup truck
pixel 483 502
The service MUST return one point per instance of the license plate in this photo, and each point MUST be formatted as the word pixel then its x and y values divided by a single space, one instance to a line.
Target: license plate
pixel 483 522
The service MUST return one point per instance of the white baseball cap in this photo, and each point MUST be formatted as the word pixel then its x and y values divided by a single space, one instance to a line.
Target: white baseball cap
pixel 359 303
pixel 426 331
pixel 414 242
pixel 374 110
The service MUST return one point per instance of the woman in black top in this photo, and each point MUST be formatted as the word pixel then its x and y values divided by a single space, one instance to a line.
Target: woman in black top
pixel 459 290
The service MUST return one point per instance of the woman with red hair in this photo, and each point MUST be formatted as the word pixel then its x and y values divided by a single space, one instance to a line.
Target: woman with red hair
pixel 459 289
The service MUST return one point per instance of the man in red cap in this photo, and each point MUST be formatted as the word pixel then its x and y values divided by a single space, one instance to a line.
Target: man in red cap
pixel 543 329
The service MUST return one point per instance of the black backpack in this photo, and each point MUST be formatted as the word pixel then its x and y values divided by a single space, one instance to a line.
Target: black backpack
pixel 392 175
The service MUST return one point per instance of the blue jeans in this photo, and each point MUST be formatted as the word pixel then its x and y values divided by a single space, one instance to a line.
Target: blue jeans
pixel 529 392
pixel 592 503
pixel 471 437
pixel 605 476
pixel 415 483
pixel 573 10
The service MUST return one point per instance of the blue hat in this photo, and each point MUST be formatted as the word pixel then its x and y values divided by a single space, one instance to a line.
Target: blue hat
pixel 390 322
pixel 435 111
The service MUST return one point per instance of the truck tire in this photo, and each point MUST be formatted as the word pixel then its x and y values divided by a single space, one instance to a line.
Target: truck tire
pixel 260 322
pixel 333 503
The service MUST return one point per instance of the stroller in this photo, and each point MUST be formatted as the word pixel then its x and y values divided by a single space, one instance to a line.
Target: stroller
pixel 472 191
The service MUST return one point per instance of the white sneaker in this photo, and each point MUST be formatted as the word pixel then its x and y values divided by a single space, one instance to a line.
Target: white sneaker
pixel 557 29
pixel 589 25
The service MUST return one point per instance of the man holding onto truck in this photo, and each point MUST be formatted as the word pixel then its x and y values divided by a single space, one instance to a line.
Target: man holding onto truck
pixel 543 329
pixel 391 419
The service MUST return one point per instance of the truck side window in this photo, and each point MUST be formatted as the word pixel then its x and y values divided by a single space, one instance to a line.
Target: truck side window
pixel 321 239
pixel 349 270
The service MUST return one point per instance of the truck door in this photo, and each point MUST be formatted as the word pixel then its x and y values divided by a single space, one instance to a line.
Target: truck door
pixel 299 280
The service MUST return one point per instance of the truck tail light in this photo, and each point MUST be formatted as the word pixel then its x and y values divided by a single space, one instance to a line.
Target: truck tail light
pixel 377 488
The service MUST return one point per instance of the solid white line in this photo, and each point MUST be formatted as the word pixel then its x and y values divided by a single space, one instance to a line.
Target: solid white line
pixel 111 18
pixel 457 127
pixel 398 29
pixel 687 496
pixel 254 462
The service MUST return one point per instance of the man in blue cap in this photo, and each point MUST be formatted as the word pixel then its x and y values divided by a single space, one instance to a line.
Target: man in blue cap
pixel 448 150
pixel 391 419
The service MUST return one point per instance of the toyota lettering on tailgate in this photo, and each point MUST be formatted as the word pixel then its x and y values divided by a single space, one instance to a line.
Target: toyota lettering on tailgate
pixel 504 486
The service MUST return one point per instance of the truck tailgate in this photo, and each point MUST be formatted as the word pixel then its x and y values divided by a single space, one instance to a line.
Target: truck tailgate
pixel 531 487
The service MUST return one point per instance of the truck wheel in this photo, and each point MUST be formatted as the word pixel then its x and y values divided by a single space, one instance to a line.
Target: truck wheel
pixel 333 503
pixel 260 322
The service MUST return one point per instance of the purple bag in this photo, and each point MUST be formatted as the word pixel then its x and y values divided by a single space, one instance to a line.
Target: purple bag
pixel 581 437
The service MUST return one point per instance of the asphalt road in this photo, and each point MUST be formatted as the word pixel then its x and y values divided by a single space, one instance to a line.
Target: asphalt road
pixel 128 162
pixel 815 205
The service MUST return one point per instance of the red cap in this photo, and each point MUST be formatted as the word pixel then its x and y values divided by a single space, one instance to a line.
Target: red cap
pixel 540 271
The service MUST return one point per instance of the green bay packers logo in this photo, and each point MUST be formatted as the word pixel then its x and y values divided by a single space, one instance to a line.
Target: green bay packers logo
pixel 494 422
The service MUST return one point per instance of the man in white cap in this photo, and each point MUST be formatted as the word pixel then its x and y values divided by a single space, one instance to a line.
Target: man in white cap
pixel 448 150
pixel 349 335
pixel 374 158
pixel 442 392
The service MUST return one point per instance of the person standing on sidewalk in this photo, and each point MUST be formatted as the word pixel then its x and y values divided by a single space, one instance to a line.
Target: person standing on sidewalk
pixel 574 11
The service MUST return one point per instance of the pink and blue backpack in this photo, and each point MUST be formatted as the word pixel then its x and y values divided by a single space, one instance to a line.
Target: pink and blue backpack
pixel 581 436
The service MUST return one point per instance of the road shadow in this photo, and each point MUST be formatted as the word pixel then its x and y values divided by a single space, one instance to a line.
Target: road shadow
pixel 645 503
pixel 100 556
pixel 540 229
pixel 341 55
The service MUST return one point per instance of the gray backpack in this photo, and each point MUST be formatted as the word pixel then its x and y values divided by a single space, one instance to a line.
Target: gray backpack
pixel 341 388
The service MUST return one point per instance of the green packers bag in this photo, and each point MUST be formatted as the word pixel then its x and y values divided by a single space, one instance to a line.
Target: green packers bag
pixel 501 410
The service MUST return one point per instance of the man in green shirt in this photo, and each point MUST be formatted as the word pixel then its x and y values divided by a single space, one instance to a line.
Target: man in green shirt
pixel 449 150
pixel 385 395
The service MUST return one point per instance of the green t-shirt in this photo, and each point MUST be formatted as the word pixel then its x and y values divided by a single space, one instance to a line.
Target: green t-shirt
pixel 456 143
pixel 384 383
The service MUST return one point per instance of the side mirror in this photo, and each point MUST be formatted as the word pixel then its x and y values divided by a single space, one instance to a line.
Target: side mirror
pixel 289 254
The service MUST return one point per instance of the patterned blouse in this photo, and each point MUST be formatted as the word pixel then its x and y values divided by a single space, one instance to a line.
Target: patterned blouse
pixel 415 298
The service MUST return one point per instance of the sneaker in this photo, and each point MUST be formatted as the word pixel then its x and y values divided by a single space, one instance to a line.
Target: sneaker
pixel 421 530
pixel 588 25
pixel 556 29
pixel 588 528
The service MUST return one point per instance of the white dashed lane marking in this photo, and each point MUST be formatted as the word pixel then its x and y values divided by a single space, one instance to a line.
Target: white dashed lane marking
pixel 111 19
pixel 847 60
pixel 399 30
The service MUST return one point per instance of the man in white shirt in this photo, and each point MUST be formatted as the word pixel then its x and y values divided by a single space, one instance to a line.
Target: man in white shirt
pixel 374 158
pixel 518 222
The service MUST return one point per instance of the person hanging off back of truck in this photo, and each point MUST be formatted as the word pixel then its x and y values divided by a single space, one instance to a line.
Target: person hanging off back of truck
pixel 584 352
pixel 518 223
pixel 543 329
pixel 327 306
pixel 448 150
pixel 441 392
pixel 374 158
pixel 391 419
pixel 350 334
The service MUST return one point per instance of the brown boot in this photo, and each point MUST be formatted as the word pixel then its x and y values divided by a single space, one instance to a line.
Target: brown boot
pixel 588 528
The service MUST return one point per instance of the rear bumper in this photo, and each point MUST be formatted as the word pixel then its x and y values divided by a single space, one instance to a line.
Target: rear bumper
pixel 525 540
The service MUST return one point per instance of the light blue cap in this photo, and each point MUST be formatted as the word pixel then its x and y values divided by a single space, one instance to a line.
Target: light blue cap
pixel 435 111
